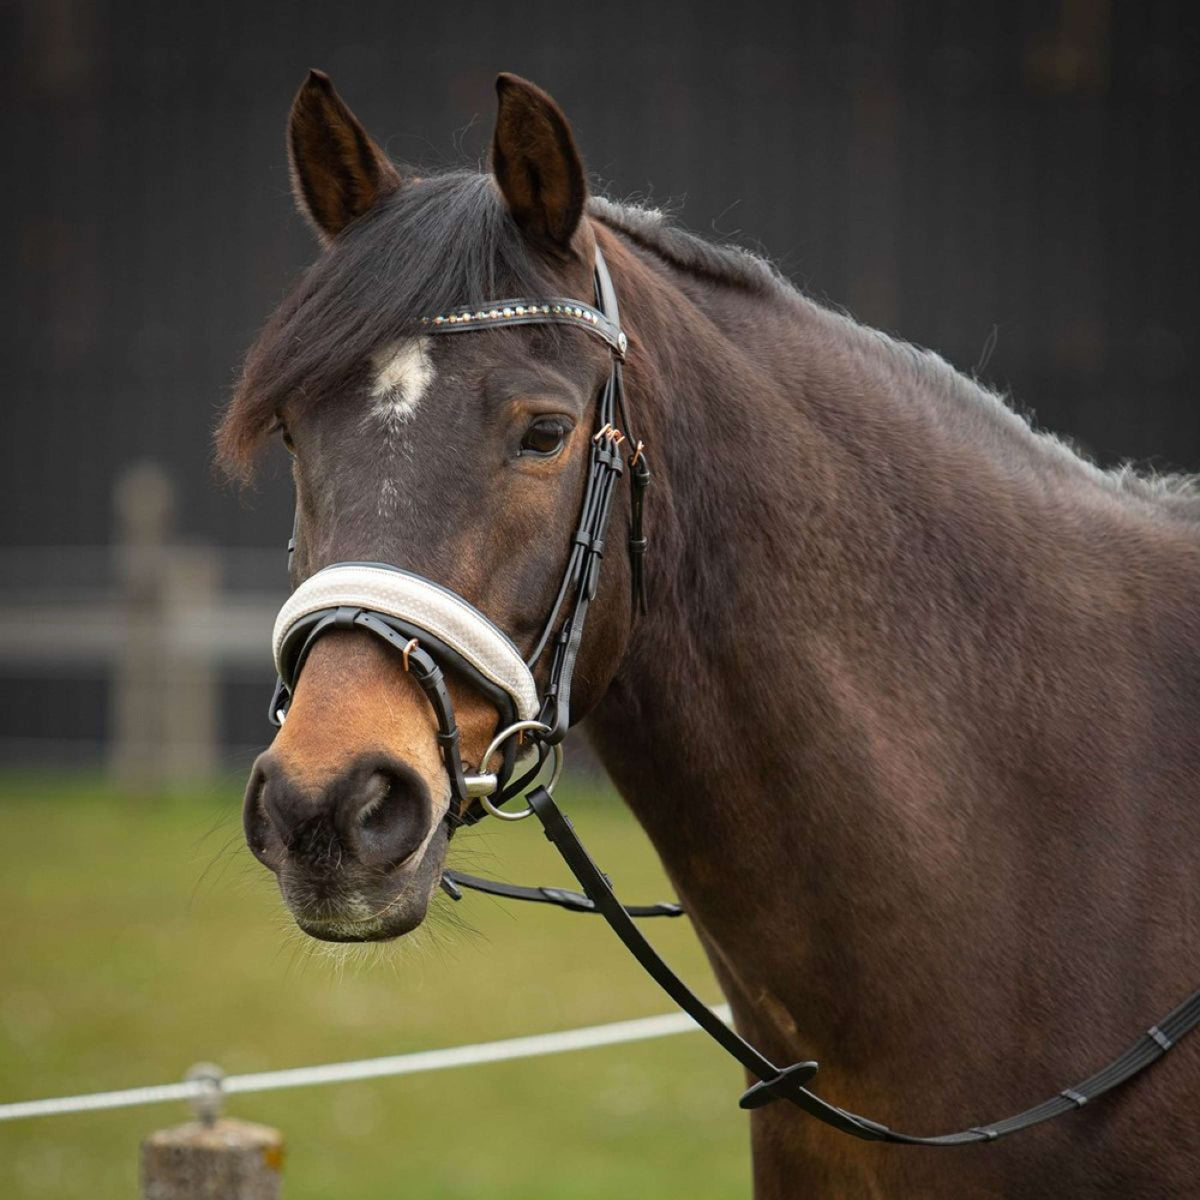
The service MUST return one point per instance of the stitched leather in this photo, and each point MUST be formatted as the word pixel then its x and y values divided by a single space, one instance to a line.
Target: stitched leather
pixel 556 310
pixel 400 594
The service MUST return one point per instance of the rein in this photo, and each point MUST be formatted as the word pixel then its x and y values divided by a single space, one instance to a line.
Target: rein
pixel 432 627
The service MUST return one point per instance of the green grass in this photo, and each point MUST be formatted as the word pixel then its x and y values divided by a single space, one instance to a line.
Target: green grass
pixel 138 936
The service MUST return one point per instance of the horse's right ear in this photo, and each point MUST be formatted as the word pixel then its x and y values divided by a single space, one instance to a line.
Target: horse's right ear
pixel 338 172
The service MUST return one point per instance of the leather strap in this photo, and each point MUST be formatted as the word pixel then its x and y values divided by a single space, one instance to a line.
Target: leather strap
pixel 557 310
pixel 424 668
pixel 787 1083
pixel 571 901
pixel 433 611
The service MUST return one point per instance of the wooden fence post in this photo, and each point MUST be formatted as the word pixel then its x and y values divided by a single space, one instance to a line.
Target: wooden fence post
pixel 164 689
pixel 189 672
pixel 143 501
pixel 213 1157
pixel 227 1160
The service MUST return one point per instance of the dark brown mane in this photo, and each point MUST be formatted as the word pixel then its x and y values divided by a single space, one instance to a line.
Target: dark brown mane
pixel 993 420
pixel 444 241
pixel 650 229
pixel 448 240
pixel 432 245
pixel 989 422
pixel 993 413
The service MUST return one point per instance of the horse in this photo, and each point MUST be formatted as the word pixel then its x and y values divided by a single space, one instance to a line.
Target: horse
pixel 909 712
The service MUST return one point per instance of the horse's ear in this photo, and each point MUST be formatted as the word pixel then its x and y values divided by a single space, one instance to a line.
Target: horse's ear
pixel 536 165
pixel 338 172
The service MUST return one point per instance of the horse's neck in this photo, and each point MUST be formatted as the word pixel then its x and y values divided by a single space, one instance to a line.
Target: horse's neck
pixel 807 719
pixel 794 464
pixel 745 693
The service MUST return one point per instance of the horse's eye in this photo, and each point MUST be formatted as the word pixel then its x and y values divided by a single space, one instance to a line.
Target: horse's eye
pixel 286 437
pixel 544 438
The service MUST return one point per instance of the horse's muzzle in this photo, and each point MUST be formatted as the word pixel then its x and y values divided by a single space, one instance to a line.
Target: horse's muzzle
pixel 358 855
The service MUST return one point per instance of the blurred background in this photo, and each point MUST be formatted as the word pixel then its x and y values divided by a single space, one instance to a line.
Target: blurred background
pixel 1012 183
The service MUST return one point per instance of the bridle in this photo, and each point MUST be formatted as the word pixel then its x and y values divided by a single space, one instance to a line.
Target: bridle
pixel 432 627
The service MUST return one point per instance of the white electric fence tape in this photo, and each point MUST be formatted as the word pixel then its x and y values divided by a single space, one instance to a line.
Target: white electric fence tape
pixel 534 1046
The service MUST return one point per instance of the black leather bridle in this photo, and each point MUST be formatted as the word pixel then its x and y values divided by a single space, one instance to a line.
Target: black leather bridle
pixel 425 655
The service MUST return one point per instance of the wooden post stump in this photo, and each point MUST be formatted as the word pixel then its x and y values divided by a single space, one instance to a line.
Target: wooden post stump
pixel 221 1160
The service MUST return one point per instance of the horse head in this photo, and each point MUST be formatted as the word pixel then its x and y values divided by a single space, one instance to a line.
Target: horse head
pixel 462 460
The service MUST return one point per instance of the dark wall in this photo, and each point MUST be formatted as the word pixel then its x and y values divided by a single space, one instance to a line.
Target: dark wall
pixel 1012 183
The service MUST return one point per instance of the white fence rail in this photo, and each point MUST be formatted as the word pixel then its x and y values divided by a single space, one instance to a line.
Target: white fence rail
pixel 149 614
pixel 154 618
pixel 237 1160
pixel 533 1046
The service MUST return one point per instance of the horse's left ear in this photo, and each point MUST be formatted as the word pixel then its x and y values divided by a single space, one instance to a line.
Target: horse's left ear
pixel 536 165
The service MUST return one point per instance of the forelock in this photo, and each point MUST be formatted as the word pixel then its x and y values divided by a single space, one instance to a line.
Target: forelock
pixel 437 243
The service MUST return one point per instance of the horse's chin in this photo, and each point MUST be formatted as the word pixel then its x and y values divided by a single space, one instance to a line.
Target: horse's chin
pixel 355 906
pixel 355 932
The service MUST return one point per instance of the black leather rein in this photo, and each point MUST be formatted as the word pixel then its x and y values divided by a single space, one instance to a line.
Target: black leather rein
pixel 787 1083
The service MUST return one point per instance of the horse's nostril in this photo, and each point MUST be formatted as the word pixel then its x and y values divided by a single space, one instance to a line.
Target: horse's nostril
pixel 374 799
pixel 377 813
pixel 262 836
pixel 390 818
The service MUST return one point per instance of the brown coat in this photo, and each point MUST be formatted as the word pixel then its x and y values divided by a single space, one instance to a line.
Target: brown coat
pixel 910 719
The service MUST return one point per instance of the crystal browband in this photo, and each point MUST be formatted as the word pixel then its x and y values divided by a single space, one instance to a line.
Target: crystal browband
pixel 530 312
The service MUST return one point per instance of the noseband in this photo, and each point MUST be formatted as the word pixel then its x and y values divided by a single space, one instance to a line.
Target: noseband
pixel 431 626
pixel 434 628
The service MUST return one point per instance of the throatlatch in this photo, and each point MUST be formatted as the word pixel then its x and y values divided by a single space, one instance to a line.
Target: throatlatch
pixel 433 628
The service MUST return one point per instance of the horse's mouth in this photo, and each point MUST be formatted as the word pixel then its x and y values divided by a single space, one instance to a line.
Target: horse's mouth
pixel 350 931
pixel 356 921
pixel 351 904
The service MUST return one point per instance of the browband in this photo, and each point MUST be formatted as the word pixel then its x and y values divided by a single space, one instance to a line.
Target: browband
pixel 555 311
pixel 376 588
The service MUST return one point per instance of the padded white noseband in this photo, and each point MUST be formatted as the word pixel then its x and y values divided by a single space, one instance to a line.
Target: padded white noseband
pixel 424 604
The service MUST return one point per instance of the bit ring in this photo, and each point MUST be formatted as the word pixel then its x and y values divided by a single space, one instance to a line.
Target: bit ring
pixel 496 743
